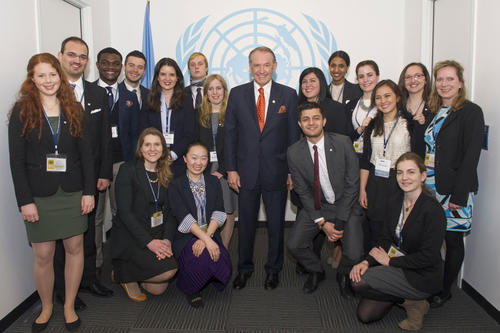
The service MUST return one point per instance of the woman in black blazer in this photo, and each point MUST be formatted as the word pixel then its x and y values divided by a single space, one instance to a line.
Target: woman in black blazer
pixel 340 89
pixel 453 144
pixel 53 174
pixel 405 264
pixel 415 85
pixel 170 110
pixel 197 203
pixel 313 88
pixel 144 227
pixel 211 115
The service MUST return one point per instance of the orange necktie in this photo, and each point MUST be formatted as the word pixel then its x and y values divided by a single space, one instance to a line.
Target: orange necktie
pixel 261 108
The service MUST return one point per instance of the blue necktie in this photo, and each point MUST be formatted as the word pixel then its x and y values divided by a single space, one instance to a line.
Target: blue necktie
pixel 111 98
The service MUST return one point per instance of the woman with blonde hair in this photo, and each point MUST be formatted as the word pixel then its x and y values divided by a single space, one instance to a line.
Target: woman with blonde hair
pixel 453 140
pixel 212 112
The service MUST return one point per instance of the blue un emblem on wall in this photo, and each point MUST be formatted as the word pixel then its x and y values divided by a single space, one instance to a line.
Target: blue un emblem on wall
pixel 227 43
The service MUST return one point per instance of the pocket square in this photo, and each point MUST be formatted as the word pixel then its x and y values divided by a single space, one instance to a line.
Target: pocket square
pixel 282 109
pixel 95 111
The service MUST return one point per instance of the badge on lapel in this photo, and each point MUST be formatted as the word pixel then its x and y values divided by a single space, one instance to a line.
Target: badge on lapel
pixel 282 109
pixel 128 103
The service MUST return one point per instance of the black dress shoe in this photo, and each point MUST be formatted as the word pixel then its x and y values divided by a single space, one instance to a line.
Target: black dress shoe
pixel 74 325
pixel 272 280
pixel 97 289
pixel 344 285
pixel 39 327
pixel 438 301
pixel 313 281
pixel 98 272
pixel 301 270
pixel 79 304
pixel 241 280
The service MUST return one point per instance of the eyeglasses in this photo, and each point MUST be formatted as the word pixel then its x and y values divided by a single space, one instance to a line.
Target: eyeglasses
pixel 417 76
pixel 73 55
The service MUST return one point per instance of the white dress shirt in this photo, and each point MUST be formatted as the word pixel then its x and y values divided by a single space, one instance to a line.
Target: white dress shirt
pixel 79 91
pixel 114 89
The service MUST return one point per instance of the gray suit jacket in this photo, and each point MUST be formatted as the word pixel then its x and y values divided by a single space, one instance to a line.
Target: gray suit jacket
pixel 343 171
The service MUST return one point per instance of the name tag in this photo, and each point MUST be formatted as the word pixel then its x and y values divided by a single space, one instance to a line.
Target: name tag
pixel 358 145
pixel 395 252
pixel 429 160
pixel 169 138
pixel 157 219
pixel 213 156
pixel 114 131
pixel 56 163
pixel 382 167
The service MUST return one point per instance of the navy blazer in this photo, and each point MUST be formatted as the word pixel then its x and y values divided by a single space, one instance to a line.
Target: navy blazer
pixel 260 158
pixel 422 237
pixel 352 92
pixel 458 147
pixel 205 136
pixel 129 118
pixel 135 205
pixel 182 202
pixel 97 111
pixel 183 123
pixel 28 161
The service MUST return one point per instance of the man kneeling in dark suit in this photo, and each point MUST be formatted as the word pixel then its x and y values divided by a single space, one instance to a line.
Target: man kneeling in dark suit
pixel 325 174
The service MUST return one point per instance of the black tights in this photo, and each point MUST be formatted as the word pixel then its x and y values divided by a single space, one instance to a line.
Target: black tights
pixel 374 305
pixel 454 257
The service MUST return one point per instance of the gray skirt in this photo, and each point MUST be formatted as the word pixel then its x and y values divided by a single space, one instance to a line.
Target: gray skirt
pixel 392 281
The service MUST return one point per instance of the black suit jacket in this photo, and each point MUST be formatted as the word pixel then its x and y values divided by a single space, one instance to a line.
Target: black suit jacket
pixel 352 92
pixel 343 172
pixel 336 117
pixel 458 146
pixel 423 235
pixel 205 136
pixel 97 112
pixel 182 201
pixel 135 205
pixel 183 123
pixel 29 165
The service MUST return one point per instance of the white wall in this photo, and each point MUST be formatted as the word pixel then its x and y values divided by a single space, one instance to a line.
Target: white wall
pixel 18 21
pixel 482 266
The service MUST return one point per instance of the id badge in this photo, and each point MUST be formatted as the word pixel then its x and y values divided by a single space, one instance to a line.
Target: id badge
pixel 358 145
pixel 395 252
pixel 56 163
pixel 213 156
pixel 169 138
pixel 429 160
pixel 114 131
pixel 157 219
pixel 382 167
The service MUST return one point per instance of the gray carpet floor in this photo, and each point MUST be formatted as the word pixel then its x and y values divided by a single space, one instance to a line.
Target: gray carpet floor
pixel 254 309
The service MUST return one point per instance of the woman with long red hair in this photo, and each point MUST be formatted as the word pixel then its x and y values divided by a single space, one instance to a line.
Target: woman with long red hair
pixel 53 176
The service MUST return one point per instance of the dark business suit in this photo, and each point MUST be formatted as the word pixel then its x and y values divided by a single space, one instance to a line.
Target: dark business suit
pixel 132 229
pixel 182 201
pixel 183 124
pixel 205 136
pixel 336 117
pixel 352 92
pixel 422 237
pixel 343 172
pixel 28 161
pixel 260 160
pixel 99 132
pixel 129 117
pixel 189 91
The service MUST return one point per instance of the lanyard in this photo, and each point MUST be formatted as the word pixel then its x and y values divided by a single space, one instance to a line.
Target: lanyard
pixel 340 93
pixel 434 121
pixel 357 110
pixel 156 196
pixel 214 134
pixel 168 114
pixel 55 135
pixel 386 141
pixel 399 227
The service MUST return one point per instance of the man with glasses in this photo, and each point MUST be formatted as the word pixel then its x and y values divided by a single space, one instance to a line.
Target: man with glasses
pixel 94 99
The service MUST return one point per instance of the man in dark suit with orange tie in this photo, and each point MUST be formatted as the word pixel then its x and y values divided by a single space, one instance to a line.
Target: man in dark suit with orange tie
pixel 261 123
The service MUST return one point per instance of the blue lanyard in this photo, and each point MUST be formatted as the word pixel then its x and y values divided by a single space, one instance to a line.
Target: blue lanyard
pixel 386 141
pixel 357 110
pixel 55 135
pixel 340 93
pixel 168 114
pixel 400 224
pixel 156 197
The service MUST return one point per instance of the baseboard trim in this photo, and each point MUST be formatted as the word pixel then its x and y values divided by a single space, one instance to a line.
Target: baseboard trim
pixel 483 302
pixel 10 318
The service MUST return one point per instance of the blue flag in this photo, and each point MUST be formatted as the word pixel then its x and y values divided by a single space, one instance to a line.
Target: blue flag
pixel 147 49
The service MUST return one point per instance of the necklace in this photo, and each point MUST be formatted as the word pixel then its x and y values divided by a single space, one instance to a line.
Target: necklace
pixel 407 208
pixel 363 106
pixel 416 110
pixel 153 174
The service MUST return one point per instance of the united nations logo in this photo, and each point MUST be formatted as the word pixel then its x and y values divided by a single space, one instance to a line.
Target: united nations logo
pixel 228 41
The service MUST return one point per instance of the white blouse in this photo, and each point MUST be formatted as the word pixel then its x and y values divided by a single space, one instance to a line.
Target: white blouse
pixel 399 142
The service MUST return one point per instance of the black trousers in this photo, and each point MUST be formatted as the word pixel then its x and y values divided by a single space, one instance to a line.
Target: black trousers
pixel 89 256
